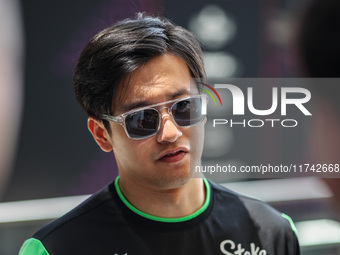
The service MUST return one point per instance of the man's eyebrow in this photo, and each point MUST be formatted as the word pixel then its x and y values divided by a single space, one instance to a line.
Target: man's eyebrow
pixel 183 92
pixel 129 106
pixel 133 105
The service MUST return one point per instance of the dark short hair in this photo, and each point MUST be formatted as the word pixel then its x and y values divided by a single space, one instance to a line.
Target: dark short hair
pixel 117 51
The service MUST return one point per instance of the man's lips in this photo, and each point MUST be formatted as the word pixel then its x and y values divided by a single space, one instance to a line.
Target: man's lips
pixel 174 155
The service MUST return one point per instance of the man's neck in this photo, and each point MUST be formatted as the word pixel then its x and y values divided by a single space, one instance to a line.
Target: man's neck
pixel 165 203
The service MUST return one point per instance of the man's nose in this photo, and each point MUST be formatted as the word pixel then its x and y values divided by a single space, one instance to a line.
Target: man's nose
pixel 168 130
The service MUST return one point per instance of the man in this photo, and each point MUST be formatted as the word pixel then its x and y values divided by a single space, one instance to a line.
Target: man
pixel 134 80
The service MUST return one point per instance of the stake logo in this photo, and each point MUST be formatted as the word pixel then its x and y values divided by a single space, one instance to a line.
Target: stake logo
pixel 228 247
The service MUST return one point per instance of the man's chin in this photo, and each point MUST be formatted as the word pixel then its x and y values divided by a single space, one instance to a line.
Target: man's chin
pixel 172 180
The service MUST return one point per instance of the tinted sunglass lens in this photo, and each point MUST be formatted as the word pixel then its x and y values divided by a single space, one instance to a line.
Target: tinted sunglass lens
pixel 188 112
pixel 142 124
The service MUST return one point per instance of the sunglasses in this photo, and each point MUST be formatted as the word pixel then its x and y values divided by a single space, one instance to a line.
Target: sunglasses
pixel 145 122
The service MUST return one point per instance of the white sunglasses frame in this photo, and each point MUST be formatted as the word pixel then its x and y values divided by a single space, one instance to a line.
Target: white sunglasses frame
pixel 120 119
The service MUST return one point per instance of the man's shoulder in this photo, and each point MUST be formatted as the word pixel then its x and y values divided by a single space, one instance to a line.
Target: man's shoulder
pixel 224 193
pixel 76 220
pixel 272 228
pixel 261 213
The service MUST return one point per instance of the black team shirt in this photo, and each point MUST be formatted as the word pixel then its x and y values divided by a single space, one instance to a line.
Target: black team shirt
pixel 227 223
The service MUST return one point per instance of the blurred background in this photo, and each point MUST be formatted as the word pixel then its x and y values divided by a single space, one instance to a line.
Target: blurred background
pixel 49 161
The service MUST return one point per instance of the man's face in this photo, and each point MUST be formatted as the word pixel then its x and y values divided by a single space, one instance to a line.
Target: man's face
pixel 163 160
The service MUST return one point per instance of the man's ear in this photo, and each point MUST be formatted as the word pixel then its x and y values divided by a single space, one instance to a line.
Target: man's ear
pixel 99 134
